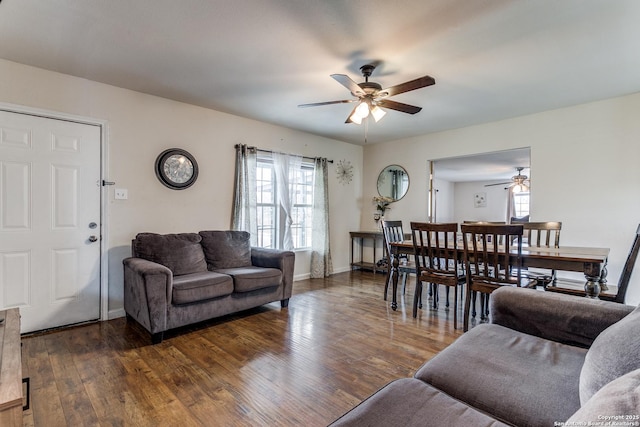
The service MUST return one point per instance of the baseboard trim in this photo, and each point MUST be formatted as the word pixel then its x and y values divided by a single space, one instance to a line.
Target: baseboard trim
pixel 114 314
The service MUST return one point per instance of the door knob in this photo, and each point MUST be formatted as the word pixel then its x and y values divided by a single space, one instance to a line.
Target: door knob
pixel 93 239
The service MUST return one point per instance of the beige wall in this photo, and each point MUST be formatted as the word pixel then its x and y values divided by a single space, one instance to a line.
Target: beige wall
pixel 140 126
pixel 584 171
pixel 583 165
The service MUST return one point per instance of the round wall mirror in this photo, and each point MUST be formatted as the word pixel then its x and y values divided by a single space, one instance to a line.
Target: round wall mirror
pixel 393 182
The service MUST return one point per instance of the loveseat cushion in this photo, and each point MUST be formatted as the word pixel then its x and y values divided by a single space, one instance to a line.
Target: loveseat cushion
pixel 410 402
pixel 226 249
pixel 181 253
pixel 617 403
pixel 247 279
pixel 201 286
pixel 518 378
pixel 613 353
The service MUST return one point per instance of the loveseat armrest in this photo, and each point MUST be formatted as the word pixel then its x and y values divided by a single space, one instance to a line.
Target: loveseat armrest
pixel 557 317
pixel 274 258
pixel 147 292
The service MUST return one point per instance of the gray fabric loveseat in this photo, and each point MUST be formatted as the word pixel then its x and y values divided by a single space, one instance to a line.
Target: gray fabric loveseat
pixel 545 359
pixel 174 280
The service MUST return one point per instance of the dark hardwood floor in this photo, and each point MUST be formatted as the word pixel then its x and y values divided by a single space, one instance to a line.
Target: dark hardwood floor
pixel 337 343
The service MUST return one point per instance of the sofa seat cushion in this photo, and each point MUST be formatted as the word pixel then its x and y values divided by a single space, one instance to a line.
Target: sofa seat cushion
pixel 195 287
pixel 618 402
pixel 247 279
pixel 226 249
pixel 613 353
pixel 518 378
pixel 181 253
pixel 410 402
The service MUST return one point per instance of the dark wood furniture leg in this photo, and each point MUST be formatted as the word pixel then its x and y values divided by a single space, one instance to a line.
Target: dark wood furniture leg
pixel 592 274
pixel 394 277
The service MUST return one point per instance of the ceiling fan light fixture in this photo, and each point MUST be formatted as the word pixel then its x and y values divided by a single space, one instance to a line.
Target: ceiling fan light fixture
pixel 355 118
pixel 377 113
pixel 520 188
pixel 363 110
pixel 360 113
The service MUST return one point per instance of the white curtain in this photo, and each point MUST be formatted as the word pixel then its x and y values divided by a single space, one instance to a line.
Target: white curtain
pixel 286 166
pixel 511 205
pixel 244 215
pixel 321 265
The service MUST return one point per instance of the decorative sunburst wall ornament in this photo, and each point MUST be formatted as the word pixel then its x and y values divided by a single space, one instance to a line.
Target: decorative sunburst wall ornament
pixel 344 172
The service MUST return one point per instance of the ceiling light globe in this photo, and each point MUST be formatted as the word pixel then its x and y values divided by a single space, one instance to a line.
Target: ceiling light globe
pixel 362 110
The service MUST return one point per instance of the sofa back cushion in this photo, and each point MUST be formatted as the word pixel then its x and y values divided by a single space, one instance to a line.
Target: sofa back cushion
pixel 616 403
pixel 613 353
pixel 181 253
pixel 226 249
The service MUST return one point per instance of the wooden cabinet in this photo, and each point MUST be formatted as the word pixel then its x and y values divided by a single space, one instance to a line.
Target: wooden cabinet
pixel 10 369
pixel 358 259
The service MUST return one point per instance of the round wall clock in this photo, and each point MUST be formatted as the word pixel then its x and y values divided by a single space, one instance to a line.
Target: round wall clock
pixel 176 168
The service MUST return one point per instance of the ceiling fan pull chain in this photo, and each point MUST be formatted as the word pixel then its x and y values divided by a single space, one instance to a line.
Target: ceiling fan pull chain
pixel 366 129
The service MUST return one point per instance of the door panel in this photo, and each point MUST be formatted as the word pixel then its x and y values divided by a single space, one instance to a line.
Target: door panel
pixel 16 204
pixel 49 194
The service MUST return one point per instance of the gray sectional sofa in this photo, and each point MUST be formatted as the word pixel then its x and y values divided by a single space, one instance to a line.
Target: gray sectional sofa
pixel 544 359
pixel 173 280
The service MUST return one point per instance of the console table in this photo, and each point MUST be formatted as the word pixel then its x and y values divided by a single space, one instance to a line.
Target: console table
pixel 10 369
pixel 361 237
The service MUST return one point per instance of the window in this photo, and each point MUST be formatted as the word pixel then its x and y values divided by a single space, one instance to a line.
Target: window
pixel 521 202
pixel 266 192
pixel 270 216
pixel 302 184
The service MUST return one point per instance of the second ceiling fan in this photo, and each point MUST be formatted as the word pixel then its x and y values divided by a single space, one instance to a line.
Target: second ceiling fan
pixel 518 182
pixel 370 96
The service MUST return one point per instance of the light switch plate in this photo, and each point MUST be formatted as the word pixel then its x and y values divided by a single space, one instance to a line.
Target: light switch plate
pixel 121 194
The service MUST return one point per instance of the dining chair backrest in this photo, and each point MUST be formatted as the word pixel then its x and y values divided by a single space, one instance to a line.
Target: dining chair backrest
pixel 484 223
pixel 625 277
pixel 542 234
pixel 493 258
pixel 435 246
pixel 488 264
pixel 391 232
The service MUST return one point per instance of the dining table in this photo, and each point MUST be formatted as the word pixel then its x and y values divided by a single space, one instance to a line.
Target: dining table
pixel 591 261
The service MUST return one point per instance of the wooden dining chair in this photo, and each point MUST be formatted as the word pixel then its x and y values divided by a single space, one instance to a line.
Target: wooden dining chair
pixel 436 257
pixel 576 287
pixel 467 222
pixel 541 234
pixel 392 232
pixel 489 265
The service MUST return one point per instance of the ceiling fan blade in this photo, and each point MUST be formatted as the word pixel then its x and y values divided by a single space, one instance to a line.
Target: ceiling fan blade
pixel 316 104
pixel 398 106
pixel 511 183
pixel 407 86
pixel 346 81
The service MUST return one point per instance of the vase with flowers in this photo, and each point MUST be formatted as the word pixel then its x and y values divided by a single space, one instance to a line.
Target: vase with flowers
pixel 382 204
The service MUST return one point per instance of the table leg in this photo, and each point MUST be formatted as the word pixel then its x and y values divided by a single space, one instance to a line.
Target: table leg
pixel 394 279
pixel 603 278
pixel 593 274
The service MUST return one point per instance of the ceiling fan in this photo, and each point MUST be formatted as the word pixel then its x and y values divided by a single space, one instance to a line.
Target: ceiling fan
pixel 517 182
pixel 370 96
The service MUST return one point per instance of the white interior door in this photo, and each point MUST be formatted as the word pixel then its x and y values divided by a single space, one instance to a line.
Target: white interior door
pixel 49 220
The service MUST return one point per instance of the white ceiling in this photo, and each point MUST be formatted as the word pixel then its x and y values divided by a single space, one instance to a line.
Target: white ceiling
pixel 492 59
pixel 495 166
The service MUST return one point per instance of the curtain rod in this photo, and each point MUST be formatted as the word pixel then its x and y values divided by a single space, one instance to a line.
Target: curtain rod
pixel 271 151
